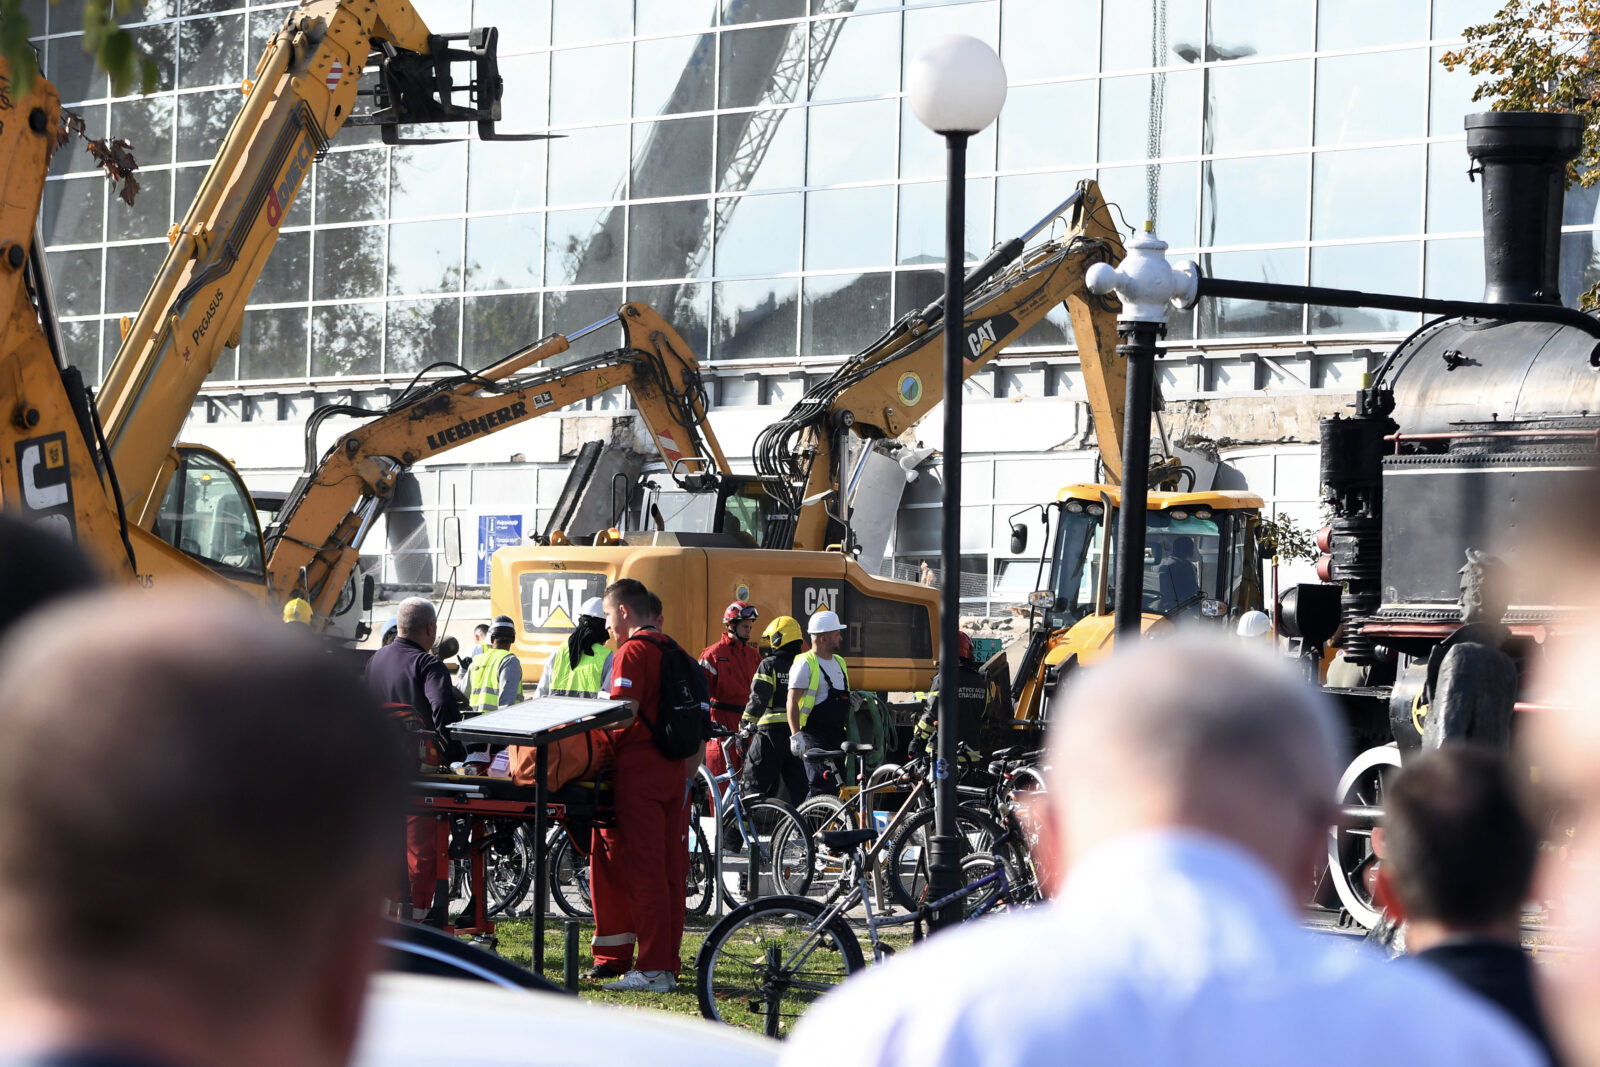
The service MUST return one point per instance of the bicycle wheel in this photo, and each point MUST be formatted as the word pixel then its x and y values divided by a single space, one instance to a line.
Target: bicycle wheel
pixel 821 813
pixel 569 877
pixel 508 865
pixel 767 962
pixel 777 860
pixel 990 899
pixel 702 873
pixel 909 858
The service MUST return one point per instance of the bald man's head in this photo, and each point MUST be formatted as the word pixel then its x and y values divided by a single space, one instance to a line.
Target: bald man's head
pixel 1195 732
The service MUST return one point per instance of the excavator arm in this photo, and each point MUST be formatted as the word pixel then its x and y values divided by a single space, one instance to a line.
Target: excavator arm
pixel 305 89
pixel 884 390
pixel 327 515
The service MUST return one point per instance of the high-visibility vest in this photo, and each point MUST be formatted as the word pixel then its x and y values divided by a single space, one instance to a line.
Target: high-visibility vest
pixel 808 698
pixel 483 681
pixel 585 677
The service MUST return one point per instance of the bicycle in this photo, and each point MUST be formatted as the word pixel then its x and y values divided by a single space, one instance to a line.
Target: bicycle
pixel 771 958
pixel 762 843
pixel 568 874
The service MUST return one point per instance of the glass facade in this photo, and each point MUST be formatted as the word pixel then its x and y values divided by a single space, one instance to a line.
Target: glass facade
pixel 752 169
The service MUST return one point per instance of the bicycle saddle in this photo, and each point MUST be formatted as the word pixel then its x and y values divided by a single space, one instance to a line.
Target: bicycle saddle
pixel 842 841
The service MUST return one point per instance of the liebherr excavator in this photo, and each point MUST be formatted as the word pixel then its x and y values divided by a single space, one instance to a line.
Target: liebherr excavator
pixel 106 471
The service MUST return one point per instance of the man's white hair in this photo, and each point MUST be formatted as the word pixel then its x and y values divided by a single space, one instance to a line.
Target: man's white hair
pixel 415 616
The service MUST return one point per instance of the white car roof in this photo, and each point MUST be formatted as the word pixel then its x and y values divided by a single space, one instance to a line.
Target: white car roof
pixel 413 1020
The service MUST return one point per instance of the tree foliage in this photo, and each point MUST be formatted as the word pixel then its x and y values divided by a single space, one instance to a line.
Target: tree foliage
pixel 112 47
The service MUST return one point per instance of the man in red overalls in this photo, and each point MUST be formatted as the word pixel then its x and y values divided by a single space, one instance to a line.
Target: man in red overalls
pixel 729 665
pixel 638 866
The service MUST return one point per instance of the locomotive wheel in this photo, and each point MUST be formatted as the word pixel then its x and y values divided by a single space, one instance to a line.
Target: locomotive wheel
pixel 1362 785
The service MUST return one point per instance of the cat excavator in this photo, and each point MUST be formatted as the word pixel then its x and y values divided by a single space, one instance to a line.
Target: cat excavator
pixel 106 471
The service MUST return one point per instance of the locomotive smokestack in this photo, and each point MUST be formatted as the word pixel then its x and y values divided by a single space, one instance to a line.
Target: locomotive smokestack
pixel 1522 156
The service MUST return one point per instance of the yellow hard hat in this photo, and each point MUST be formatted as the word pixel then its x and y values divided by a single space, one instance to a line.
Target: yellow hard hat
pixel 297 610
pixel 781 631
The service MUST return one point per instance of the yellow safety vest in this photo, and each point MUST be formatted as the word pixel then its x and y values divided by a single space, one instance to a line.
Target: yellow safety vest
pixel 583 678
pixel 483 681
pixel 808 698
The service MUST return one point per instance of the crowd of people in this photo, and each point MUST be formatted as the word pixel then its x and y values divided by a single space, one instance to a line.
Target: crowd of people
pixel 155 910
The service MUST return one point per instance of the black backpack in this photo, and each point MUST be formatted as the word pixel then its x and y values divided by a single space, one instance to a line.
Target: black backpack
pixel 683 716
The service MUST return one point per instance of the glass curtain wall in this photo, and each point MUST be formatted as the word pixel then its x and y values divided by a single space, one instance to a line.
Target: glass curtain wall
pixel 752 169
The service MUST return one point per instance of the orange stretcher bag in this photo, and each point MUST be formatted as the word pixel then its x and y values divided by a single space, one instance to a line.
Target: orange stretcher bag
pixel 578 758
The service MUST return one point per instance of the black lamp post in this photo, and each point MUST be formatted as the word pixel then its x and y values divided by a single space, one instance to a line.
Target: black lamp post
pixel 956 88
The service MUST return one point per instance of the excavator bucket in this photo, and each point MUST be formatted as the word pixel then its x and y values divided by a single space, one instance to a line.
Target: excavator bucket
pixel 413 88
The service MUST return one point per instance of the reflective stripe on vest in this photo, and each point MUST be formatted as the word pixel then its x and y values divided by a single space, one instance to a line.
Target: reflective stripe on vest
pixel 778 704
pixel 483 681
pixel 808 698
pixel 585 678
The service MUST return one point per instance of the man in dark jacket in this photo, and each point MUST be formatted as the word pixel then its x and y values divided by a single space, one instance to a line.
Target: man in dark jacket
pixel 405 673
pixel 1458 859
pixel 973 693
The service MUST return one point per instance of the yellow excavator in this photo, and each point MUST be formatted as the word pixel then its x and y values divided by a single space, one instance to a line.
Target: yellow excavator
pixel 774 539
pixel 105 471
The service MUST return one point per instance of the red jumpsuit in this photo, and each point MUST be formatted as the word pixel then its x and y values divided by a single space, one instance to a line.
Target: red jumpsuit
pixel 729 665
pixel 638 868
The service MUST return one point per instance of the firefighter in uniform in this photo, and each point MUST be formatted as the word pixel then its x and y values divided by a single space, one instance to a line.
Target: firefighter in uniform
pixel 819 700
pixel 973 697
pixel 730 664
pixel 770 765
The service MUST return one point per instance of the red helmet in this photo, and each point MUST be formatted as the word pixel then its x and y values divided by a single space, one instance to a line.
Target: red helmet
pixel 963 644
pixel 739 611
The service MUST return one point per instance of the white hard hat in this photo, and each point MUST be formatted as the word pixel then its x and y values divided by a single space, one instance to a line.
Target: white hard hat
pixel 594 607
pixel 1254 624
pixel 824 622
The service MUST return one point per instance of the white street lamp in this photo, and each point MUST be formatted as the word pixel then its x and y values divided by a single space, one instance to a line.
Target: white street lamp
pixel 957 87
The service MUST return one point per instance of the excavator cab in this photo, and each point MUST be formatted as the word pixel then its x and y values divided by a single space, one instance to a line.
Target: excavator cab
pixel 207 514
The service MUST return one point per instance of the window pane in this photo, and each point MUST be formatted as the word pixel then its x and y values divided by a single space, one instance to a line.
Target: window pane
pixel 855 57
pixel 843 313
pixel 1371 97
pixel 346 339
pixel 73 211
pixel 583 246
pixel 130 269
pixel 678 15
pixel 664 239
pixel 1453 203
pixel 1581 207
pixel 427 180
pixel 1021 199
pixel 202 120
pixel 1130 36
pixel 1450 97
pixel 589 165
pixel 348 263
pixel 147 123
pixel 672 158
pixel 763 10
pixel 761 236
pixel 425 257
pixel 287 274
pixel 674 74
pixel 923 27
pixel 160 43
pixel 1451 17
pixel 1242 28
pixel 1371 193
pixel 754 319
pixel 849 228
pixel 686 306
pixel 523 24
pixel 352 186
pixel 761 150
pixel 1125 119
pixel 1177 191
pixel 1071 26
pixel 570 311
pixel 211 52
pixel 1454 269
pixel 851 142
pixel 1580 265
pixel 75 277
pixel 493 327
pixel 273 344
pixel 922 221
pixel 1047 126
pixel 590 84
pixel 505 174
pixel 421 332
pixel 73 71
pixel 503 251
pixel 81 341
pixel 915 290
pixel 1364 23
pixel 151 212
pixel 1252 318
pixel 590 20
pixel 747 59
pixel 1256 106
pixel 923 153
pixel 1386 268
pixel 1254 201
